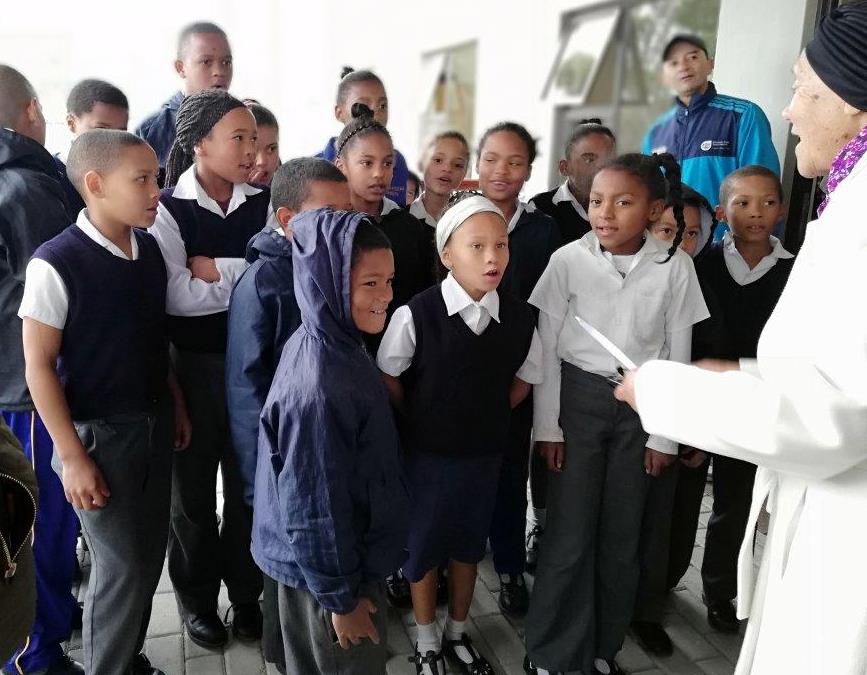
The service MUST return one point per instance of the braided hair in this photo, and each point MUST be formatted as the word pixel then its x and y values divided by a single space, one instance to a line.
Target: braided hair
pixel 660 173
pixel 362 125
pixel 198 114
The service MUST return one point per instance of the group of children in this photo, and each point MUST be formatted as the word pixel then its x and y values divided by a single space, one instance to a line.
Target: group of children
pixel 376 380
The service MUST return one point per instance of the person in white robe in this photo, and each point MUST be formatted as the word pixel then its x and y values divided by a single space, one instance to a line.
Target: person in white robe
pixel 799 411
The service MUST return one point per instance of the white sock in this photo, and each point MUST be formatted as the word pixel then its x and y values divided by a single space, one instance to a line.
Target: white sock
pixel 428 638
pixel 453 631
pixel 602 666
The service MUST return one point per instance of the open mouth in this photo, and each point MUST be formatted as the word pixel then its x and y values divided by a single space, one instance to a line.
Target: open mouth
pixel 493 273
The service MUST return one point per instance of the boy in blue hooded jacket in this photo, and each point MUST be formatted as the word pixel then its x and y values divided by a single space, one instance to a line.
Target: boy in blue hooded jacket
pixel 330 501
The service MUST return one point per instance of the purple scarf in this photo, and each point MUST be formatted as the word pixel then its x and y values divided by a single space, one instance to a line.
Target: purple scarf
pixel 843 164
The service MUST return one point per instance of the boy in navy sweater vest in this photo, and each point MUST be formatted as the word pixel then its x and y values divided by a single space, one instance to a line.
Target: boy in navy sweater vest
pixel 91 104
pixel 96 353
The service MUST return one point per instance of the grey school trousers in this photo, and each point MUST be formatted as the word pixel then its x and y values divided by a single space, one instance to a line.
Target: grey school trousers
pixel 127 537
pixel 311 644
pixel 200 553
pixel 588 559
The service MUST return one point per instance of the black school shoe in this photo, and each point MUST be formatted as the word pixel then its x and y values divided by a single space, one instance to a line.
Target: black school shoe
pixel 514 599
pixel 397 591
pixel 721 615
pixel 532 553
pixel 530 669
pixel 247 621
pixel 652 637
pixel 478 666
pixel 141 665
pixel 206 630
pixel 432 663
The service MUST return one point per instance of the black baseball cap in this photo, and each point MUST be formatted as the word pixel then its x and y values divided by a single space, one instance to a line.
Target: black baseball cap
pixel 693 40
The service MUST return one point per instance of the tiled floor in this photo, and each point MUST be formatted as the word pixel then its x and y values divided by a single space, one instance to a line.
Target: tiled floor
pixel 698 649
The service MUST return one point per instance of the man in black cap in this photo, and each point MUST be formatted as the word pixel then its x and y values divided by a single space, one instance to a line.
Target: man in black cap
pixel 711 135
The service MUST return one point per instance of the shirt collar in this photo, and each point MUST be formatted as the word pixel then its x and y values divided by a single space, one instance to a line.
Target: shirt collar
pixel 651 248
pixel 519 211
pixel 777 250
pixel 564 194
pixel 84 224
pixel 698 101
pixel 457 299
pixel 388 206
pixel 418 210
pixel 188 187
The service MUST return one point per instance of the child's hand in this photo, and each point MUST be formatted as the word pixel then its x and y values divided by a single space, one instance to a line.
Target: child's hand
pixel 355 626
pixel 625 391
pixel 655 462
pixel 553 452
pixel 83 483
pixel 692 458
pixel 204 268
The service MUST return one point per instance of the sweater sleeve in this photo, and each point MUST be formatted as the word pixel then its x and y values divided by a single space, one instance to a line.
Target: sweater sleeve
pixel 755 145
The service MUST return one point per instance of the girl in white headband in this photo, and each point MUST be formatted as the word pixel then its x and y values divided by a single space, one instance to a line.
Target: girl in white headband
pixel 465 357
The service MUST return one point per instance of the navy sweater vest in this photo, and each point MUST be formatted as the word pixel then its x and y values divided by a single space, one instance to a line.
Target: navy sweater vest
pixel 207 234
pixel 742 311
pixel 114 353
pixel 572 226
pixel 458 383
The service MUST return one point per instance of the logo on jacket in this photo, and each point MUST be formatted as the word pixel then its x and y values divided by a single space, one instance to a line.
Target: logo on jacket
pixel 708 145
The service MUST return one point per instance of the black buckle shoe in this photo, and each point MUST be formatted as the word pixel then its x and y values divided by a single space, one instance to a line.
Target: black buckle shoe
pixel 532 556
pixel 653 638
pixel 247 621
pixel 514 599
pixel 206 630
pixel 721 615
pixel 436 664
pixel 479 664
pixel 397 591
pixel 530 669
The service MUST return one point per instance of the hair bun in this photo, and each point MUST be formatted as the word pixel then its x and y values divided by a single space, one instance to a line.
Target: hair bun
pixel 345 71
pixel 591 120
pixel 359 110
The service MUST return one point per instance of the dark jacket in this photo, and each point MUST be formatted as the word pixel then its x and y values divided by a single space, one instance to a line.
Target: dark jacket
pixel 32 211
pixel 159 130
pixel 18 588
pixel 330 499
pixel 263 314
pixel 531 243
pixel 397 190
pixel 74 202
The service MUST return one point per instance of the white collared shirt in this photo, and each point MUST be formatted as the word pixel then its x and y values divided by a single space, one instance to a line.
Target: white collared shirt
pixel 398 343
pixel 648 312
pixel 185 295
pixel 418 210
pixel 564 194
pixel 388 206
pixel 46 298
pixel 737 266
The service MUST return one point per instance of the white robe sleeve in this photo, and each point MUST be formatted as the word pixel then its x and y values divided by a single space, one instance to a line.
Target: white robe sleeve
pixel 797 422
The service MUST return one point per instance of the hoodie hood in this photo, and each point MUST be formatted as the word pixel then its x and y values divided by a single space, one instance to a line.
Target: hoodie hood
pixel 268 244
pixel 321 261
pixel 22 152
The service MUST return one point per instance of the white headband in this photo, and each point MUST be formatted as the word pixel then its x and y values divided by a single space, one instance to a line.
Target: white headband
pixel 455 215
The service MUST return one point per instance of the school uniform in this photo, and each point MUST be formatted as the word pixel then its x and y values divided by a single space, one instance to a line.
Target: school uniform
pixel 533 237
pixel 588 561
pixel 159 130
pixel 457 426
pixel 418 210
pixel 570 215
pixel 74 201
pixel 113 366
pixel 32 211
pixel 397 189
pixel 190 223
pixel 330 498
pixel 263 313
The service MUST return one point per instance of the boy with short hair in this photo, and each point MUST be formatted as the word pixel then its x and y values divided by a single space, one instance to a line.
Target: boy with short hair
pixel 204 61
pixel 97 365
pixel 91 104
pixel 32 211
pixel 263 314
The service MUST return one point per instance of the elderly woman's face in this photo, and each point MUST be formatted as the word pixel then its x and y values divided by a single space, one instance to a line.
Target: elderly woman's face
pixel 818 118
